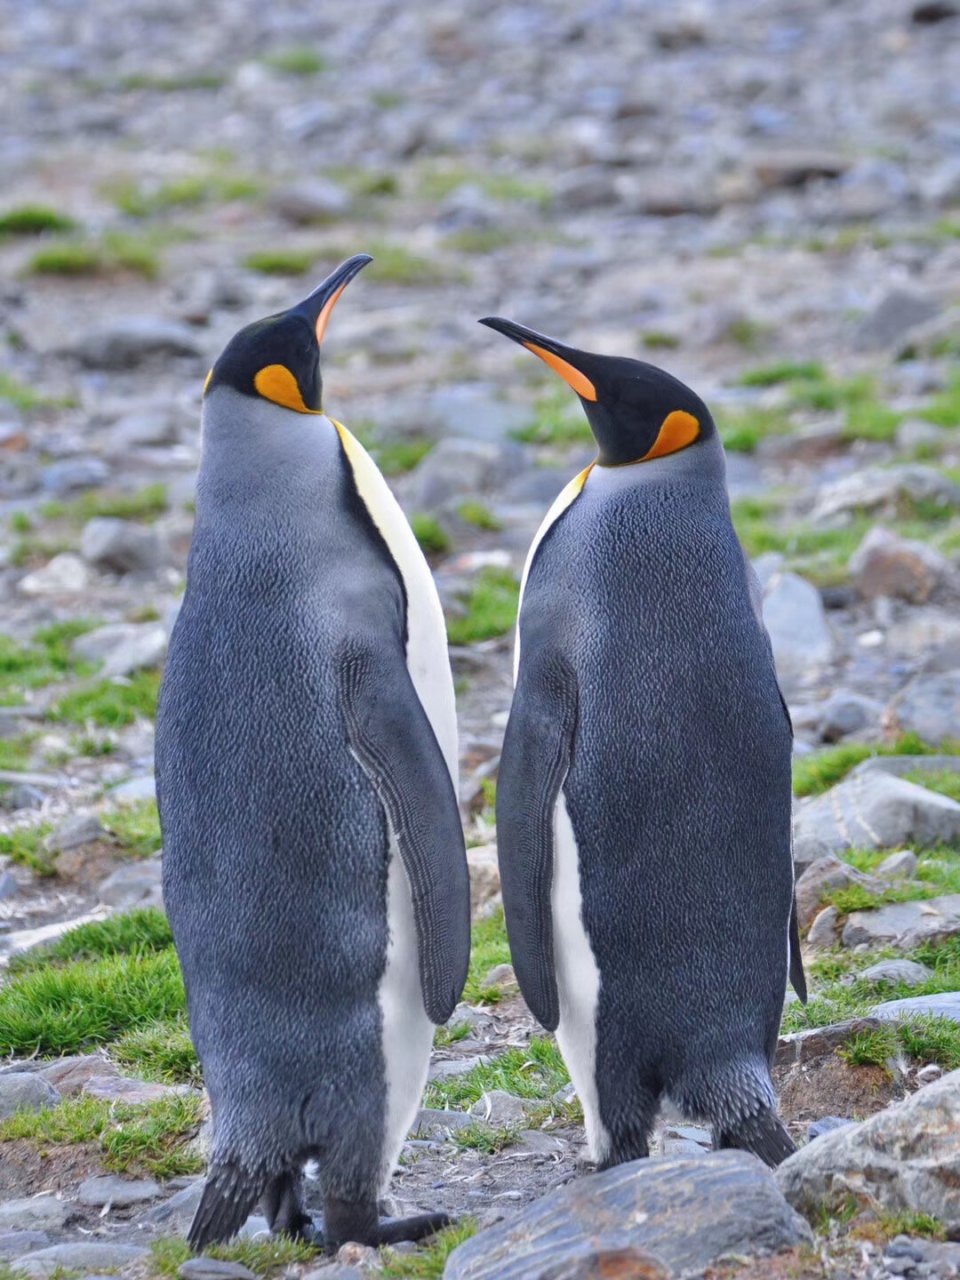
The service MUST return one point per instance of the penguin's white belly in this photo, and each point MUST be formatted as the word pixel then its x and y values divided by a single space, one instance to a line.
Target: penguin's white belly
pixel 578 978
pixel 407 1031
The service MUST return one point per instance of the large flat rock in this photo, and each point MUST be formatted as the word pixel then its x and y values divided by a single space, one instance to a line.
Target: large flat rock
pixel 904 924
pixel 682 1213
pixel 906 1158
pixel 873 810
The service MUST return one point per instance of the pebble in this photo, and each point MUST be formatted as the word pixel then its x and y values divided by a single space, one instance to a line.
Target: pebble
pixel 945 1004
pixel 499 1108
pixel 78 1255
pixel 887 565
pixel 14 1243
pixel 74 474
pixel 823 931
pixel 928 706
pixel 502 976
pixel 908 972
pixel 797 624
pixel 133 341
pixel 65 574
pixel 213 1269
pixel 33 1213
pixel 120 546
pixel 118 1192
pixel 114 1088
pixel 78 830
pixel 826 1124
pixel 25 1091
pixel 900 865
pixel 313 200
pixel 136 884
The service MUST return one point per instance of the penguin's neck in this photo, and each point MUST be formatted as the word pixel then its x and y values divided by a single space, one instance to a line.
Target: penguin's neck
pixel 259 457
pixel 701 465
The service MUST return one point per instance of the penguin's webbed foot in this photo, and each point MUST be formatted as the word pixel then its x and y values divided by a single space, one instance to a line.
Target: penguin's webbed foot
pixel 343 1221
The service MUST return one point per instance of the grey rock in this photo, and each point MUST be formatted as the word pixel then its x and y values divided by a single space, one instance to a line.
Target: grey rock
pixel 904 925
pixel 827 1124
pixel 787 167
pixel 32 1213
pixel 898 766
pixel 905 1158
pixel 795 619
pixel 73 474
pixel 484 874
pixel 24 1091
pixel 432 1123
pixel 882 489
pixel 846 712
pixel 683 1212
pixel 97 645
pixel 132 341
pixel 78 830
pixel 213 1269
pixel 453 1067
pixel 120 546
pixel 822 934
pixel 908 972
pixel 134 885
pixel 145 648
pixel 536 1142
pixel 77 1255
pixel 176 1214
pixel 13 1243
pixel 135 789
pixel 587 187
pixel 499 1109
pixel 9 888
pixel 313 200
pixel 945 1004
pixel 456 469
pixel 872 810
pixel 118 1192
pixel 65 574
pixel 474 410
pixel 900 865
pixel 502 976
pixel 145 427
pixel 887 565
pixel 820 879
pixel 928 706
pixel 69 1075
pixel 799 1048
pixel 897 315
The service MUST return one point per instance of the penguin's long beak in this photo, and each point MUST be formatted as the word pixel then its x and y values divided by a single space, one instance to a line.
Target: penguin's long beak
pixel 560 358
pixel 318 306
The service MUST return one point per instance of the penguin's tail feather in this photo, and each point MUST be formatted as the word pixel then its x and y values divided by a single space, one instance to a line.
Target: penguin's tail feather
pixel 762 1134
pixel 229 1196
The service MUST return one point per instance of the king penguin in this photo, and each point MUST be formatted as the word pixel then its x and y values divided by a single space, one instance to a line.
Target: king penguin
pixel 314 870
pixel 644 790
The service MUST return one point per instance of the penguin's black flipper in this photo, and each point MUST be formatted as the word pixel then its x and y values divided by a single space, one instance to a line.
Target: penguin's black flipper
pixel 798 979
pixel 227 1201
pixel 762 1134
pixel 536 755
pixel 392 738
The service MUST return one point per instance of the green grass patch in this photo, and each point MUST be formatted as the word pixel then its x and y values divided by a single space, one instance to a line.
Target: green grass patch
pixel 395 457
pixel 557 420
pixel 438 182
pixel 20 522
pixel 140 504
pixel 871 1048
pixel 443 1037
pixel 479 1137
pixel 33 220
pixel 771 375
pixel 536 1072
pixel 20 395
pixel 281 262
pixel 432 538
pixel 70 258
pixel 482 239
pixel 186 82
pixel 741 431
pixel 146 1139
pixel 58 1010
pixel 24 846
pixel 159 1051
pixel 819 771
pixel 489 947
pixel 15 752
pixel 479 516
pixel 136 827
pixel 111 703
pixel 657 340
pixel 45 660
pixel 135 933
pixel 491 608
pixel 297 60
pixel 182 193
pixel 429 1262
pixel 944 409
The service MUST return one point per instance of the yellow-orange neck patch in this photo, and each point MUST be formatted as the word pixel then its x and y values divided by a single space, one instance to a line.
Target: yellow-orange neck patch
pixel 275 382
pixel 677 430
pixel 580 383
pixel 206 383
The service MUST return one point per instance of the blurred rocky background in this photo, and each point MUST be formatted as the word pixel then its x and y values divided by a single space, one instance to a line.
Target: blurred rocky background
pixel 764 198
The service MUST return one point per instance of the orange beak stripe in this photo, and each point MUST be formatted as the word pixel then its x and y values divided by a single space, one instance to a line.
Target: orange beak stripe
pixel 324 315
pixel 580 383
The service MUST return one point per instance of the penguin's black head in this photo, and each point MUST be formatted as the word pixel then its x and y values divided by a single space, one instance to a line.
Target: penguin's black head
pixel 278 358
pixel 635 410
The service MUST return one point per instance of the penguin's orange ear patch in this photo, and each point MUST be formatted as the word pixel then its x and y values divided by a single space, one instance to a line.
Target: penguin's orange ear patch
pixel 275 382
pixel 677 430
pixel 572 376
